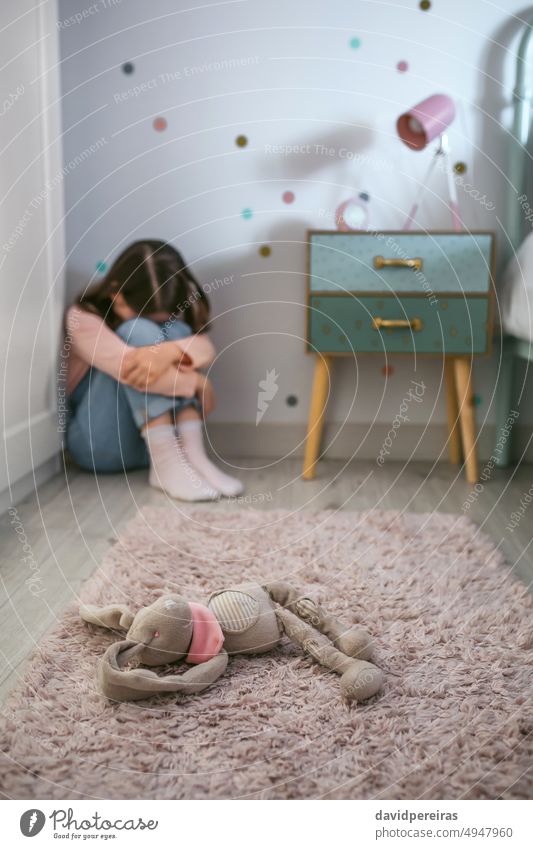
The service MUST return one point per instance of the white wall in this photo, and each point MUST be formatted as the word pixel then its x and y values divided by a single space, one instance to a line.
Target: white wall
pixel 31 241
pixel 280 72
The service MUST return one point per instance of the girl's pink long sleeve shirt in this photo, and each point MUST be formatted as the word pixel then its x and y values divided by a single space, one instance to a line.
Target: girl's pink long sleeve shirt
pixel 89 342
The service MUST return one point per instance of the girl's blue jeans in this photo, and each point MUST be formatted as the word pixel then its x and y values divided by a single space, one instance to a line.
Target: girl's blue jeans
pixel 103 433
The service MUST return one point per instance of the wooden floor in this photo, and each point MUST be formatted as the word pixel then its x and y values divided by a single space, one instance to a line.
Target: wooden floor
pixel 72 520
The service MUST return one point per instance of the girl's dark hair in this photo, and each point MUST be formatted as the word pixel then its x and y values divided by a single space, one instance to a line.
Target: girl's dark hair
pixel 153 277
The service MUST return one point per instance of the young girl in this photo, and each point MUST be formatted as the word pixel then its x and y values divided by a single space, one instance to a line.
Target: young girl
pixel 136 392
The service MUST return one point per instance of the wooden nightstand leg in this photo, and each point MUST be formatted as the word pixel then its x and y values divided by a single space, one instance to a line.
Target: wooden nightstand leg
pixel 454 439
pixel 463 377
pixel 315 423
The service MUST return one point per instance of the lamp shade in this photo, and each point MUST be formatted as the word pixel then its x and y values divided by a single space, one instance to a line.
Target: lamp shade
pixel 426 121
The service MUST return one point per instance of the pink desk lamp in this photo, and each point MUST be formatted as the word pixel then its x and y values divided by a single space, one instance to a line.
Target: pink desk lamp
pixel 419 127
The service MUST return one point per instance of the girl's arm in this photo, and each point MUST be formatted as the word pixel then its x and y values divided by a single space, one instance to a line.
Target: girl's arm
pixel 96 344
pixel 199 348
pixel 142 366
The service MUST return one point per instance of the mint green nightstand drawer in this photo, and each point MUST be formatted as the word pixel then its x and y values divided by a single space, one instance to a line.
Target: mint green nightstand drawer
pixel 340 324
pixel 375 262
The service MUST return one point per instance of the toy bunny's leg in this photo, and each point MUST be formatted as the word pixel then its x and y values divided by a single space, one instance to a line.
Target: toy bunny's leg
pixel 349 639
pixel 360 680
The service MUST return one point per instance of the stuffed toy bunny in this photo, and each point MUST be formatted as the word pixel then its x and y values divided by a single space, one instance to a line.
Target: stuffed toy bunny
pixel 247 619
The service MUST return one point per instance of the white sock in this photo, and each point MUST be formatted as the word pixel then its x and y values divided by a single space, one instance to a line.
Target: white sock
pixel 170 470
pixel 191 436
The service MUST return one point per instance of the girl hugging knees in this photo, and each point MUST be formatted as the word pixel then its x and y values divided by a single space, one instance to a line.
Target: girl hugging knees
pixel 136 391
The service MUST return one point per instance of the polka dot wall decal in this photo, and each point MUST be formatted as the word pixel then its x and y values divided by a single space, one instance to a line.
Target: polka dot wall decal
pixel 288 197
pixel 160 124
pixel 128 68
pixel 101 266
pixel 386 371
pixel 460 167
pixel 291 400
pixel 247 213
pixel 425 5
pixel 364 196
pixel 265 250
pixel 402 66
pixel 355 43
pixel 241 141
pixel 477 400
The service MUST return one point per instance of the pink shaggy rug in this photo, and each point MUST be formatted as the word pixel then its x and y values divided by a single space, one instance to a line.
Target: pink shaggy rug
pixel 454 636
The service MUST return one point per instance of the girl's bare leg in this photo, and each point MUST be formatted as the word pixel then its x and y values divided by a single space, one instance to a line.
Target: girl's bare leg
pixel 188 414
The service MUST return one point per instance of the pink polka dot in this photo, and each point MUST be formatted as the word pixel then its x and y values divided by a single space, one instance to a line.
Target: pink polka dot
pixel 288 197
pixel 386 371
pixel 160 124
pixel 402 66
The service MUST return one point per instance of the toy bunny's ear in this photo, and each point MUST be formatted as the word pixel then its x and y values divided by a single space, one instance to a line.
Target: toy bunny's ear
pixel 121 684
pixel 117 617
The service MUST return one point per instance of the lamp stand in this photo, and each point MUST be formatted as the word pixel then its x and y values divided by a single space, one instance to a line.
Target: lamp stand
pixel 441 155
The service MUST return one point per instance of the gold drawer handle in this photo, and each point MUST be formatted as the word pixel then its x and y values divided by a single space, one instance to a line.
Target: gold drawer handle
pixel 412 323
pixel 381 262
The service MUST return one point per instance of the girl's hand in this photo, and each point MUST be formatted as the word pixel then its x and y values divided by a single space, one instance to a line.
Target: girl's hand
pixel 143 366
pixel 205 394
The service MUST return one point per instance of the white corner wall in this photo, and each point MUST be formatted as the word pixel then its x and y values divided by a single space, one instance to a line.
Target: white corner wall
pixel 32 247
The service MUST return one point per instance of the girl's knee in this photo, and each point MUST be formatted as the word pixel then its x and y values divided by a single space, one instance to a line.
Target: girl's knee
pixel 140 331
pixel 176 329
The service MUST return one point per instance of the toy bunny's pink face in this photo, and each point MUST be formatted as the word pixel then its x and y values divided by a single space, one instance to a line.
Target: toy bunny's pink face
pixel 165 629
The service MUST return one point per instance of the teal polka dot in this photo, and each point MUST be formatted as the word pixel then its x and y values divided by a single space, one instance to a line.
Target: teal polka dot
pixel 247 214
pixel 355 43
pixel 477 400
pixel 101 266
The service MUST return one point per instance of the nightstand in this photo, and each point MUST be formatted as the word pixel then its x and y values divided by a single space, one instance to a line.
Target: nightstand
pixel 421 294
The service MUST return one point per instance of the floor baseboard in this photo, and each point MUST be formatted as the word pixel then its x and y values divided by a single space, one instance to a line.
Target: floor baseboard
pixel 29 483
pixel 358 441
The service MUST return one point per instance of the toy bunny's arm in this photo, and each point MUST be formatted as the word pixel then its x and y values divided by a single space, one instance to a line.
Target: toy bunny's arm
pixel 359 679
pixel 349 639
pixel 119 684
